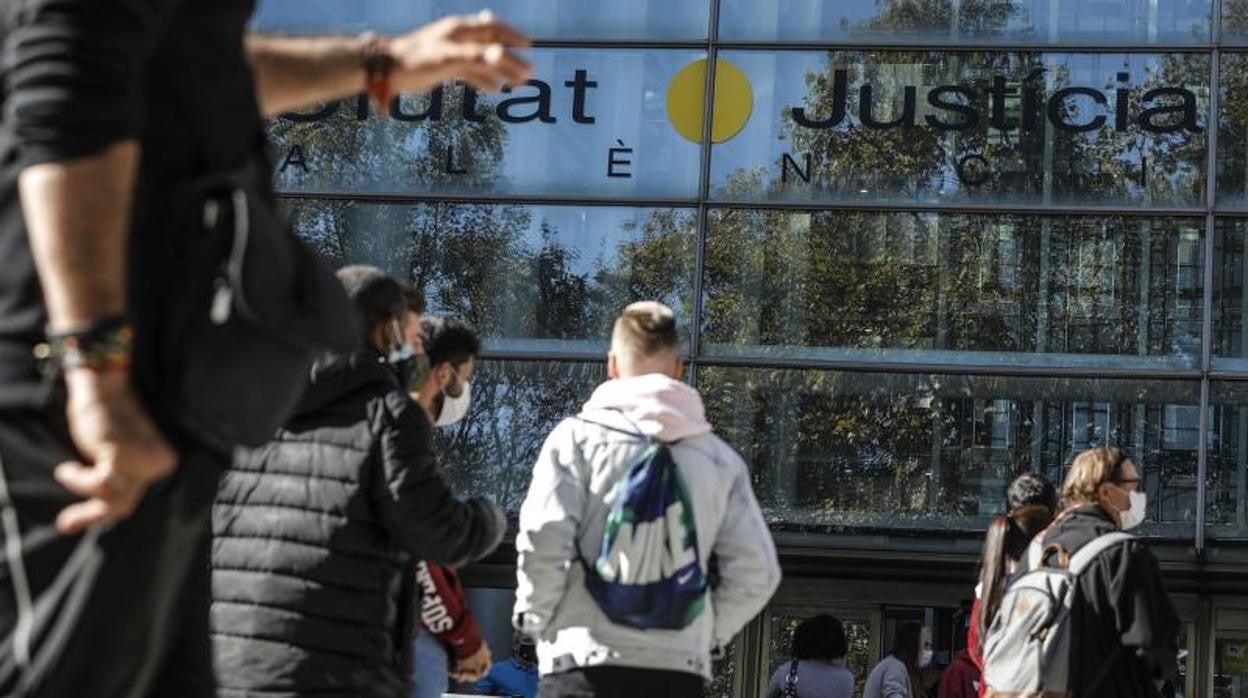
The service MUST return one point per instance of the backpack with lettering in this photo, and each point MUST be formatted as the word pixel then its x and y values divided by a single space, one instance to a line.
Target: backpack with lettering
pixel 649 574
pixel 1027 647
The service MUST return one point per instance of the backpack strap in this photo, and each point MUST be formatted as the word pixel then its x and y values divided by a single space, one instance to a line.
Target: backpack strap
pixel 1094 548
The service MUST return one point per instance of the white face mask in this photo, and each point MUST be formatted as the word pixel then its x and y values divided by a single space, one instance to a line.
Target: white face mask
pixel 399 351
pixel 925 658
pixel 1135 515
pixel 454 408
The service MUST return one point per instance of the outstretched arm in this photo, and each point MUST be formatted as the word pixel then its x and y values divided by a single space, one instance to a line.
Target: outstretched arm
pixel 296 72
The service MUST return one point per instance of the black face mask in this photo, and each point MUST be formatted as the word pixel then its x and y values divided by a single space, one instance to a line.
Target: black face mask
pixel 413 372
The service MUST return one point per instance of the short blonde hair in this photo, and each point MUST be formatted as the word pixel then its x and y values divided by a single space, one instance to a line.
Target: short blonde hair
pixel 645 330
pixel 1091 469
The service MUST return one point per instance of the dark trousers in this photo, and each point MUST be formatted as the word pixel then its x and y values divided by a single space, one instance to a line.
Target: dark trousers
pixel 621 682
pixel 130 618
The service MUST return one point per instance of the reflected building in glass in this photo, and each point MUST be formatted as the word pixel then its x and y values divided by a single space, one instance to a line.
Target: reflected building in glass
pixel 918 247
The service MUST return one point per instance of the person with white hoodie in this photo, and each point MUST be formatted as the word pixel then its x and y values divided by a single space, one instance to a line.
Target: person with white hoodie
pixel 588 463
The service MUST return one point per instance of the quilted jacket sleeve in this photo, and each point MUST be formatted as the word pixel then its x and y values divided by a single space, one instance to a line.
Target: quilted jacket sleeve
pixel 416 504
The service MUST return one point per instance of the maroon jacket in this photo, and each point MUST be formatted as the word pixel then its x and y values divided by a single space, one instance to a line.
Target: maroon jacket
pixel 961 679
pixel 444 611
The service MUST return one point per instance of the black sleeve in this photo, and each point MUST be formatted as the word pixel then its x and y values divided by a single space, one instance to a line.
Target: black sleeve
pixel 417 505
pixel 75 74
pixel 1146 619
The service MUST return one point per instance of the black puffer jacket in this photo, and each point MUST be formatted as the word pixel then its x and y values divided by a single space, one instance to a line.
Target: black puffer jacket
pixel 1125 637
pixel 315 534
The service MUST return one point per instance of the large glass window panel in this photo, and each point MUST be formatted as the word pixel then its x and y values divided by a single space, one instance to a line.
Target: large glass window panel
pixel 1235 22
pixel 592 122
pixel 876 452
pixel 1003 290
pixel 945 21
pixel 1233 132
pixel 1230 289
pixel 543 19
pixel 515 406
pixel 1227 494
pixel 544 279
pixel 973 127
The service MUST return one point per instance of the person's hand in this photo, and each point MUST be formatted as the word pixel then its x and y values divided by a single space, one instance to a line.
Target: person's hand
pixel 474 49
pixel 474 668
pixel 122 450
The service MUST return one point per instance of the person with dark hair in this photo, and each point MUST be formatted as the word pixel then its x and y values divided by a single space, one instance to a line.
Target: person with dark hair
pixel 817 669
pixel 897 675
pixel 452 348
pixel 448 643
pixel 317 532
pixel 1032 499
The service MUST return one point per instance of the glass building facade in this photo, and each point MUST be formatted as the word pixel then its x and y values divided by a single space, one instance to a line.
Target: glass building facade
pixel 917 247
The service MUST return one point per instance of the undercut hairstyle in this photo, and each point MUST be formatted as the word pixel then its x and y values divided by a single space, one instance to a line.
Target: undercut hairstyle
pixel 448 340
pixel 1091 469
pixel 1031 489
pixel 415 298
pixel 378 298
pixel 646 329
pixel 820 638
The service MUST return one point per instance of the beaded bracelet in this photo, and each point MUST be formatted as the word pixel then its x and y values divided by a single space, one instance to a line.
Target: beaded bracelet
pixel 100 345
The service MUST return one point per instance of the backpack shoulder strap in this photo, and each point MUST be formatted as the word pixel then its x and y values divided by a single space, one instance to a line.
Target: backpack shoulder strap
pixel 1035 553
pixel 1094 548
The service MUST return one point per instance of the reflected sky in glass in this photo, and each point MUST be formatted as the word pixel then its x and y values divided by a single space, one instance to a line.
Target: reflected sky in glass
pixel 952 21
pixel 542 19
pixel 968 158
pixel 596 125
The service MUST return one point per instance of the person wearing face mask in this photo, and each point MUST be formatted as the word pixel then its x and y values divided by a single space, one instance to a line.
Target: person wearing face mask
pixel 446 629
pixel 1124 627
pixel 316 534
pixel 897 675
pixel 516 677
pixel 451 348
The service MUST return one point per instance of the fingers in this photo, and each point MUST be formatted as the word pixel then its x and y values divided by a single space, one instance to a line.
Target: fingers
pixel 478 78
pixel 484 28
pixel 489 62
pixel 110 495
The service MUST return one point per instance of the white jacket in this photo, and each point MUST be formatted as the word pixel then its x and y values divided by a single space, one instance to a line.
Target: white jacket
pixel 565 511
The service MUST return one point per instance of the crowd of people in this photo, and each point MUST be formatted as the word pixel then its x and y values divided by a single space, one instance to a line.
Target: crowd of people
pixel 1099 624
pixel 218 475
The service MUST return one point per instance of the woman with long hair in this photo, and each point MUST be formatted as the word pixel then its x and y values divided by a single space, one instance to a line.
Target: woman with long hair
pixel 897 675
pixel 1033 503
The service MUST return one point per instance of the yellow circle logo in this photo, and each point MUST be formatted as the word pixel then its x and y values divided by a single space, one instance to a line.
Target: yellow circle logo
pixel 686 100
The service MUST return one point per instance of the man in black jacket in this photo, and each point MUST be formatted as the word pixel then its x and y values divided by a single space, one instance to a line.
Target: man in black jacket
pixel 1125 630
pixel 315 533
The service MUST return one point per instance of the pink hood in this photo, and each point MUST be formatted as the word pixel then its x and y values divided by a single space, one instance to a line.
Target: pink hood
pixel 661 407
